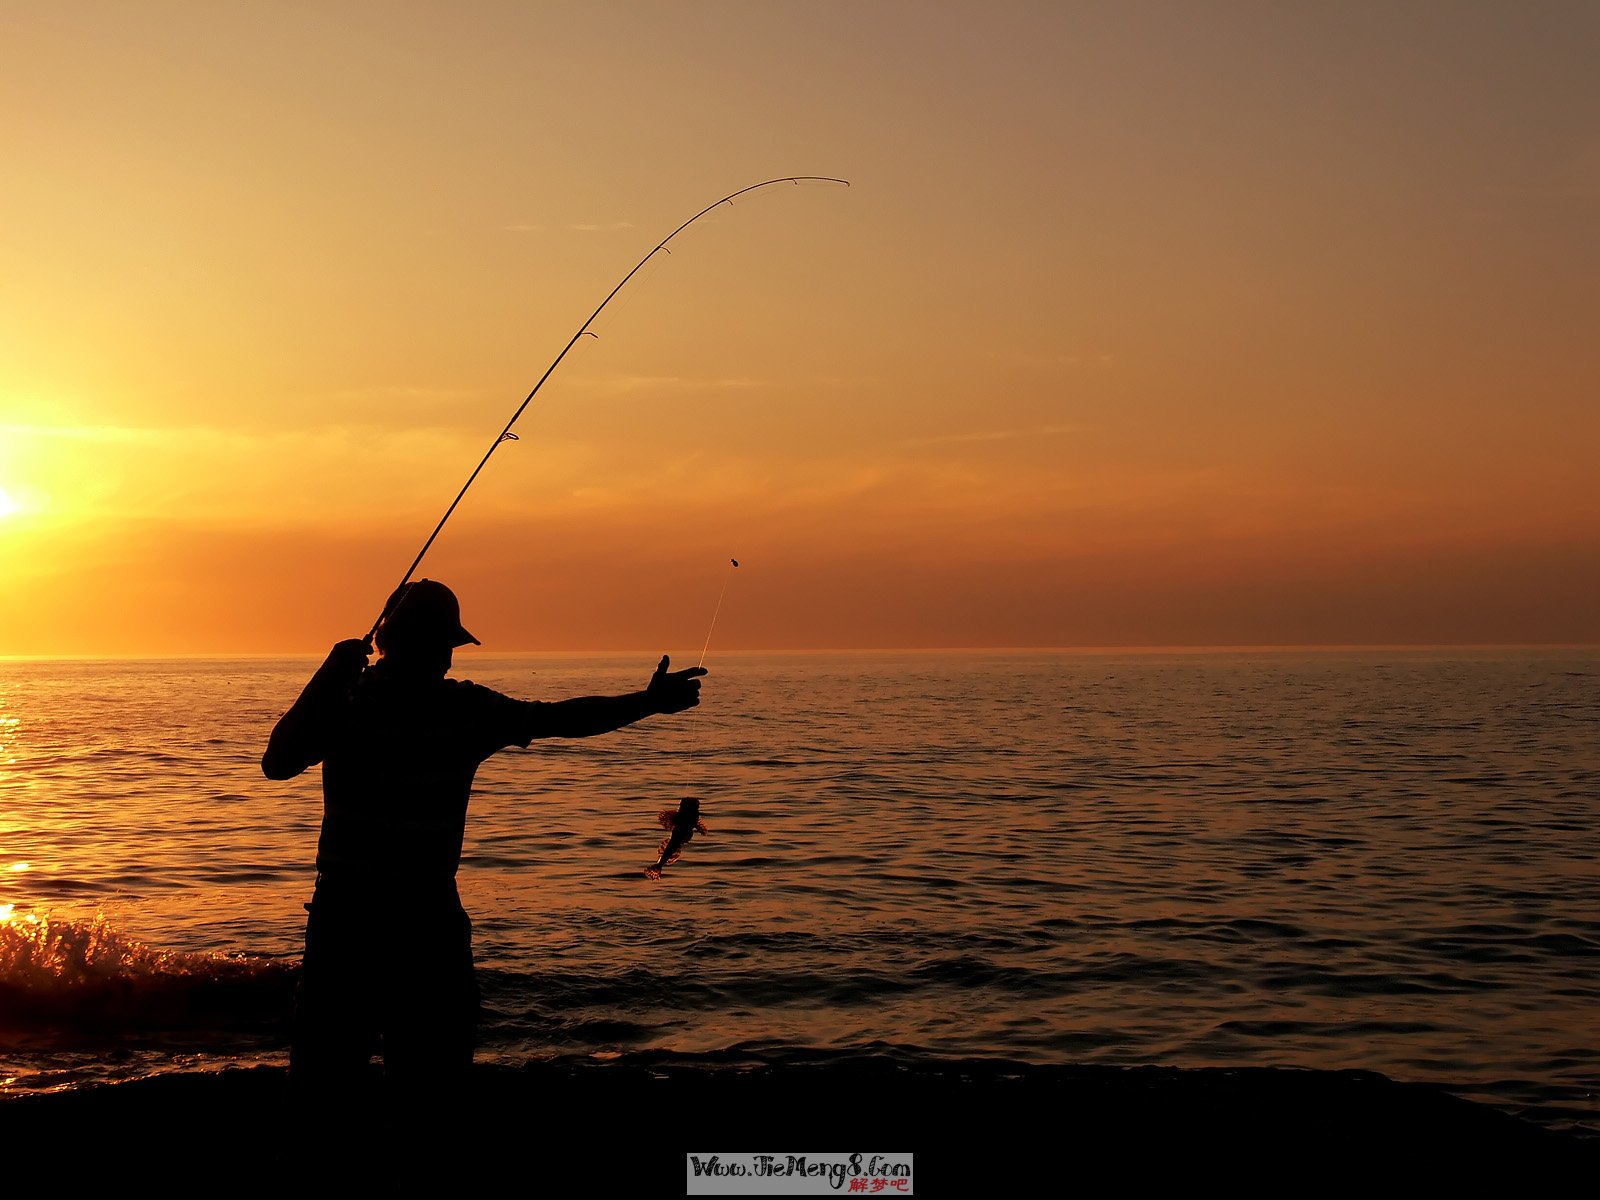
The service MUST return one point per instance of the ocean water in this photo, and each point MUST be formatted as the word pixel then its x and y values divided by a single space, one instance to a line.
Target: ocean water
pixel 1381 860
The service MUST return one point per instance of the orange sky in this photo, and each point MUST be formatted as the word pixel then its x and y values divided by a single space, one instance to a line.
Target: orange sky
pixel 1141 324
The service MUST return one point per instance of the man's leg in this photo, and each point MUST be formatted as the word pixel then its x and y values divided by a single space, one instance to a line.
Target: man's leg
pixel 431 1022
pixel 335 1017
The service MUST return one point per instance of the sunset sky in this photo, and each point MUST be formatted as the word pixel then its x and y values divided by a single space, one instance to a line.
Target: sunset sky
pixel 1139 325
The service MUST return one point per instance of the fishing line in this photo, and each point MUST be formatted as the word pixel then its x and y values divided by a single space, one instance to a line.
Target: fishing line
pixel 732 563
pixel 505 435
pixel 683 822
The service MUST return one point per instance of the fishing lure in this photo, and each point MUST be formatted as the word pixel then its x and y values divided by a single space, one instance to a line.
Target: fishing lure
pixel 684 822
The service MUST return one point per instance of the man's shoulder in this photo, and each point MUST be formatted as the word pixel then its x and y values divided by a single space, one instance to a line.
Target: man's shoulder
pixel 465 695
pixel 464 691
pixel 464 686
pixel 505 720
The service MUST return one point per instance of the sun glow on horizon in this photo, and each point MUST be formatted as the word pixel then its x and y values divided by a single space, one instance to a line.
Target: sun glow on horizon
pixel 1203 345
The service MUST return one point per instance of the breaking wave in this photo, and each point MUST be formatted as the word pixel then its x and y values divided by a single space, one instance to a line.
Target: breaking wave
pixel 63 976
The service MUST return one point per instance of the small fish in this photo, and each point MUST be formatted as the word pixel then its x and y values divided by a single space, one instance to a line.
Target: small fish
pixel 684 822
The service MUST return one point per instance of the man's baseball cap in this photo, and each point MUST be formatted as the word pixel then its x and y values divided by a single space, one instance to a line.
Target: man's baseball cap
pixel 424 611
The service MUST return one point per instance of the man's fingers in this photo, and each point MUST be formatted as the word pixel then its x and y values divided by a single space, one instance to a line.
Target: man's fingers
pixel 678 690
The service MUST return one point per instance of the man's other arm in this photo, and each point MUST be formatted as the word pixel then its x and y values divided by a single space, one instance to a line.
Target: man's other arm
pixel 586 716
pixel 299 739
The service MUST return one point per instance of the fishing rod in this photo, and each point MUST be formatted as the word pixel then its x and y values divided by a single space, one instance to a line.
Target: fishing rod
pixel 506 435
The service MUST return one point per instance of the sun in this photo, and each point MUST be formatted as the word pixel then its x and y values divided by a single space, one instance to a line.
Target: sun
pixel 8 506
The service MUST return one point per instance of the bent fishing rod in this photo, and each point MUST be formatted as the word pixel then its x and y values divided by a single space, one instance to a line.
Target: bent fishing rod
pixel 506 435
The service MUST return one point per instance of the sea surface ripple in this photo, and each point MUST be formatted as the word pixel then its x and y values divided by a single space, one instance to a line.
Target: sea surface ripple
pixel 1383 860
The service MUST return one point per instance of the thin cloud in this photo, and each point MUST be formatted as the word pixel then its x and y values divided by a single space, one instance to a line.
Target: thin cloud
pixel 992 435
pixel 839 381
pixel 627 385
pixel 85 433
pixel 404 392
pixel 580 227
pixel 1034 360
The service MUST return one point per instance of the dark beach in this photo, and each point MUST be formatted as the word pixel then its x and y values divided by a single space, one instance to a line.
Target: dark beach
pixel 974 1127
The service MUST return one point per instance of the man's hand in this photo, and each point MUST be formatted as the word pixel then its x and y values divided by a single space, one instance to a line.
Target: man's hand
pixel 342 668
pixel 351 654
pixel 670 693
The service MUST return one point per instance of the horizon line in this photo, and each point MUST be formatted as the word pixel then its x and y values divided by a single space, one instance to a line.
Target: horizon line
pixel 1187 649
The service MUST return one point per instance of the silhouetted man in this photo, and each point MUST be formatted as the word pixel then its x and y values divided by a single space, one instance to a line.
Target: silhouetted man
pixel 388 955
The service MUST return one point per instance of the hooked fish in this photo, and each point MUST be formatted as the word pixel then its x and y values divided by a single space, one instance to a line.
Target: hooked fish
pixel 684 822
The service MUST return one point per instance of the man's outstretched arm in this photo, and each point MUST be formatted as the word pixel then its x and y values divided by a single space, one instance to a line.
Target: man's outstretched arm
pixel 585 716
pixel 299 739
